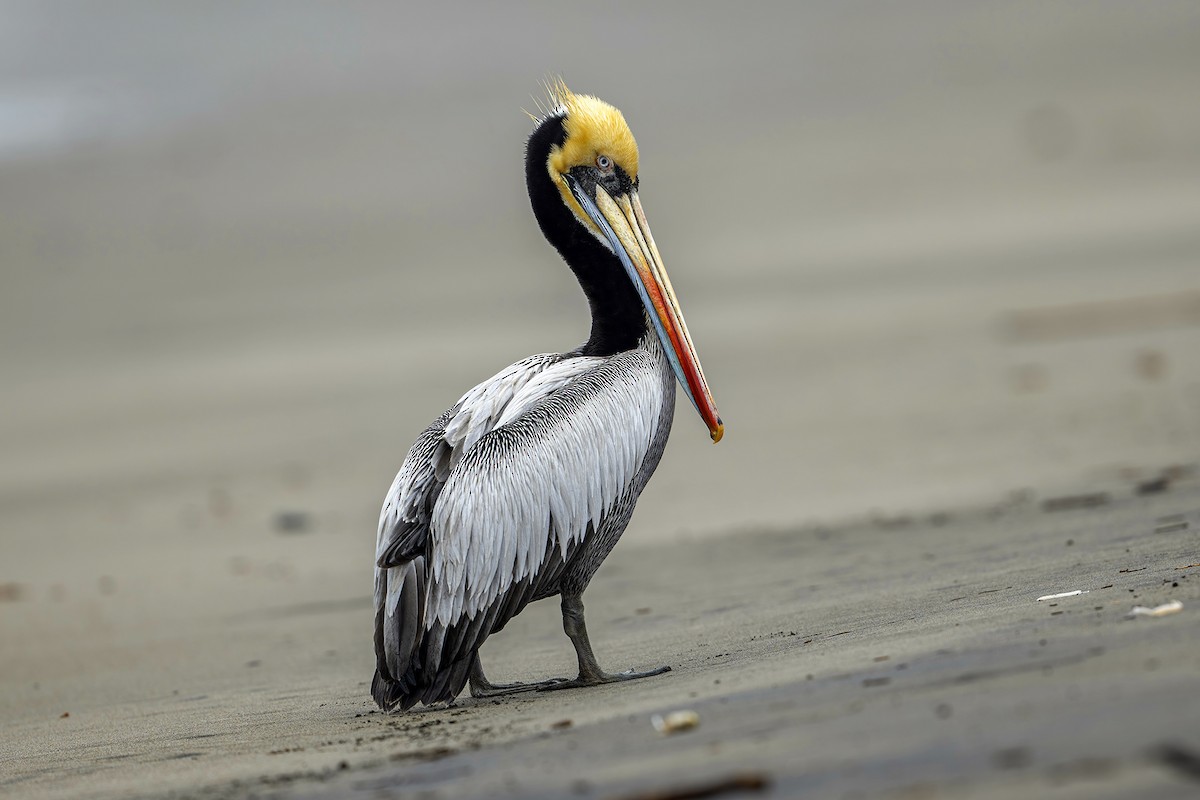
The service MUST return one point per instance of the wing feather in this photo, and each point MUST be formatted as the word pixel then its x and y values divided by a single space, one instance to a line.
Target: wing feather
pixel 408 506
pixel 543 479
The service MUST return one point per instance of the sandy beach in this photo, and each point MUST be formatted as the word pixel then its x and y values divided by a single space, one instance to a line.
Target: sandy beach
pixel 940 263
pixel 897 657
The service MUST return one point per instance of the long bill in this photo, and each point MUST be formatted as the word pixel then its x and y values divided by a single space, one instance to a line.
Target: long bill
pixel 623 223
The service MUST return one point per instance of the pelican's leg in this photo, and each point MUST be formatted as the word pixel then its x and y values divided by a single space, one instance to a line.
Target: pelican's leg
pixel 590 673
pixel 482 687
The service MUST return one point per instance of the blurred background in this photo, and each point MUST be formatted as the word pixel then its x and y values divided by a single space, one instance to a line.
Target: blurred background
pixel 933 255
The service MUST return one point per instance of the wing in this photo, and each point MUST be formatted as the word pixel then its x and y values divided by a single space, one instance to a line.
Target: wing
pixel 537 456
pixel 532 489
pixel 404 541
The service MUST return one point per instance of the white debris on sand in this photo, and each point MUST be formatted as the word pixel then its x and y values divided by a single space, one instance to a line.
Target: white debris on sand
pixel 1062 594
pixel 1173 607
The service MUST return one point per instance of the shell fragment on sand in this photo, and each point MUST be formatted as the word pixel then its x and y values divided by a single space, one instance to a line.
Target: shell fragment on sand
pixel 675 721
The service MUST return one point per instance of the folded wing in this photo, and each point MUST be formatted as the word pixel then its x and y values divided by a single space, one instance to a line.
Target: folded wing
pixel 492 501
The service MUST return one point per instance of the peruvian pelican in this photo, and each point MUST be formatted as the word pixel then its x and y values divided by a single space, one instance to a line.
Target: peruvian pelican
pixel 520 490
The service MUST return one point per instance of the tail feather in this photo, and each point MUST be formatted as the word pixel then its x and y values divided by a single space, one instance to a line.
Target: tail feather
pixel 401 620
pixel 414 664
pixel 399 623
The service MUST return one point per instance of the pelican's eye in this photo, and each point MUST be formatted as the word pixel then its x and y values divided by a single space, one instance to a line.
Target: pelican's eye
pixel 604 163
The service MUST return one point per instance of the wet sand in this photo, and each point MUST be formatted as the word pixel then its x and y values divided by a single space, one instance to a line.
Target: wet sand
pixel 940 265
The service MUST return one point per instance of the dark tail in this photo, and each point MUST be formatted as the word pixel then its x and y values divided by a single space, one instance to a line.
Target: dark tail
pixel 418 665
pixel 409 661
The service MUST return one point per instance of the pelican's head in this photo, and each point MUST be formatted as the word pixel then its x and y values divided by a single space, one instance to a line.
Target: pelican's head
pixel 593 163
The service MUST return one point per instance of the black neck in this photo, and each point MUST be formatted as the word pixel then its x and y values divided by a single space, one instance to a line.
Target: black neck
pixel 618 317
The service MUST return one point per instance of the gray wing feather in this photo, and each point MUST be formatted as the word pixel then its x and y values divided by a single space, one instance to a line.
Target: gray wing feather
pixel 540 483
pixel 408 507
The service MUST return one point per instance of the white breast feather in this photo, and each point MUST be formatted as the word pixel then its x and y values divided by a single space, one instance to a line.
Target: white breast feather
pixel 500 511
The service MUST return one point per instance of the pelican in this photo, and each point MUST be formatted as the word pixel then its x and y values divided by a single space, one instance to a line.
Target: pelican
pixel 520 490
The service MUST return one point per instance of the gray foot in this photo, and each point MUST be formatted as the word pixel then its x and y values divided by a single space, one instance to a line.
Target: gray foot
pixel 482 687
pixel 601 678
